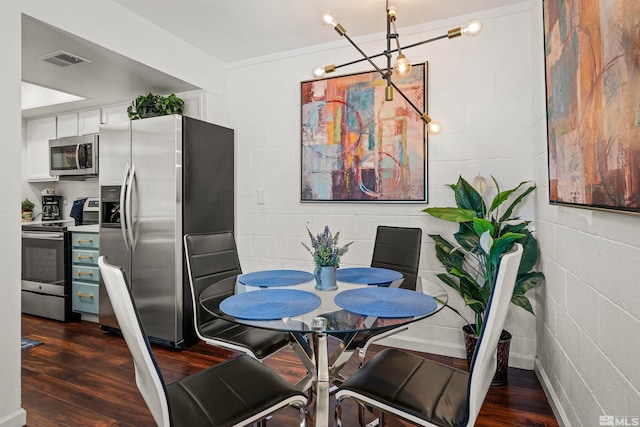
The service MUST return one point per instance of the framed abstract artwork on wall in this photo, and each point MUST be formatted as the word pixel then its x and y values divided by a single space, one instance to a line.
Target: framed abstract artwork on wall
pixel 592 56
pixel 357 147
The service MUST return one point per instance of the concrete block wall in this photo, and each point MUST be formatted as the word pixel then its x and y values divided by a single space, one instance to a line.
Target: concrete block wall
pixel 588 319
pixel 489 95
pixel 478 88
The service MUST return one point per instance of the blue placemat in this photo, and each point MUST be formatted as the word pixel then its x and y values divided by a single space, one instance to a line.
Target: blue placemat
pixel 272 278
pixel 270 304
pixel 385 302
pixel 367 275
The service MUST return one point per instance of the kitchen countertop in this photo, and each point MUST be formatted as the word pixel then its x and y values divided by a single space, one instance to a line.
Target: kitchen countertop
pixel 91 228
pixel 61 221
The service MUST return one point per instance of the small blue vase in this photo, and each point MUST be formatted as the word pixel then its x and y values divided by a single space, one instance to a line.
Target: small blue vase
pixel 325 278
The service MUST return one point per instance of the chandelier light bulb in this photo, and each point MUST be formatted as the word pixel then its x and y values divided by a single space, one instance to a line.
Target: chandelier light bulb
pixel 472 28
pixel 434 128
pixel 392 12
pixel 402 65
pixel 329 19
pixel 319 72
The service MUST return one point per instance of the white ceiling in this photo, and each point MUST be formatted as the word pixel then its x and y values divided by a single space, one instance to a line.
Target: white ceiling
pixel 230 30
pixel 110 78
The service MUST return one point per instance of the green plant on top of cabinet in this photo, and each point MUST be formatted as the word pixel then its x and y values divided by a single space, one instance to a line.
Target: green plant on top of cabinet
pixel 85 274
pixel 151 105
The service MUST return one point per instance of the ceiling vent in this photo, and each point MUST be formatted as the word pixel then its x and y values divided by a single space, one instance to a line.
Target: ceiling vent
pixel 62 58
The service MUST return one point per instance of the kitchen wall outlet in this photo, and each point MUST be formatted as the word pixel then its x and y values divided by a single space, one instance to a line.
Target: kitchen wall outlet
pixel 261 197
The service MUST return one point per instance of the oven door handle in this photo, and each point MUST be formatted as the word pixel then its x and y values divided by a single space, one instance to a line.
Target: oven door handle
pixel 123 211
pixel 43 236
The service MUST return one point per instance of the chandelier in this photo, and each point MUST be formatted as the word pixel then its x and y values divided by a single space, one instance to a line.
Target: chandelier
pixel 402 66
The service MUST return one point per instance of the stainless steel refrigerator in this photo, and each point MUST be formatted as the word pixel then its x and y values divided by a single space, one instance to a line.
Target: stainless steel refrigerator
pixel 161 178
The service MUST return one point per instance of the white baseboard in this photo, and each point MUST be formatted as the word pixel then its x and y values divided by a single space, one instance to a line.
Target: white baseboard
pixel 425 346
pixel 552 397
pixel 516 360
pixel 15 419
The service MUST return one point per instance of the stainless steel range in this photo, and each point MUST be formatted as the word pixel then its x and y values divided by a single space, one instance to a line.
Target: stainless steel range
pixel 46 285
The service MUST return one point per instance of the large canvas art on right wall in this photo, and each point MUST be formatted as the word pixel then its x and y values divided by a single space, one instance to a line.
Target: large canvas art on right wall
pixel 592 55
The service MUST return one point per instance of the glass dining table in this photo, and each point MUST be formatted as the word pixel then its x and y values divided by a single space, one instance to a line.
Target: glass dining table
pixel 366 301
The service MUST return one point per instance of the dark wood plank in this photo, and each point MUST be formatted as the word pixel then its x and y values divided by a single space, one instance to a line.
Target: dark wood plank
pixel 83 376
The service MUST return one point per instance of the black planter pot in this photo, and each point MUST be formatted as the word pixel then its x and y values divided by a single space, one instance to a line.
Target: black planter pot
pixel 471 339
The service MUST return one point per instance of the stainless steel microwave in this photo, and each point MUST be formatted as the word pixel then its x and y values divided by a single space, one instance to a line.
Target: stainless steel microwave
pixel 74 155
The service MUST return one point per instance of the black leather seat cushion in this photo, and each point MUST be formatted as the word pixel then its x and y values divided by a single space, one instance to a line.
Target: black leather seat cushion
pixel 263 342
pixel 226 394
pixel 421 387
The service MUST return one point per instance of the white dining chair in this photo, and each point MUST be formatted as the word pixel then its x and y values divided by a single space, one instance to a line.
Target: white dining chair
pixel 238 392
pixel 428 393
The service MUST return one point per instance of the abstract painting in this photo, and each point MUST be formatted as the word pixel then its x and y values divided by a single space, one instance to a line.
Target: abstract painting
pixel 358 147
pixel 592 53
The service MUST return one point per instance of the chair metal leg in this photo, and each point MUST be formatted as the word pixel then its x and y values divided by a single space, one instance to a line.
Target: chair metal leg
pixel 303 415
pixel 337 419
pixel 361 415
pixel 361 419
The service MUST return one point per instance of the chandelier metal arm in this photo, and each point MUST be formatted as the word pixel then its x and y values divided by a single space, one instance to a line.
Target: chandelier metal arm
pixel 402 65
pixel 425 118
pixel 365 57
pixel 409 46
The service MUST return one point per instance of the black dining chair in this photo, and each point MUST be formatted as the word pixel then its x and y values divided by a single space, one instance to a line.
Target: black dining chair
pixel 398 248
pixel 428 393
pixel 238 392
pixel 212 258
pixel 395 248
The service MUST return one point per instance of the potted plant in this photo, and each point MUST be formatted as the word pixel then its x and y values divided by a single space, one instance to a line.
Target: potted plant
pixel 27 210
pixel 486 232
pixel 151 105
pixel 326 255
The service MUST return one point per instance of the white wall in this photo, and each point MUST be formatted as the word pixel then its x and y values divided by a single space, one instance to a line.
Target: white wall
pixel 589 317
pixel 479 89
pixel 11 415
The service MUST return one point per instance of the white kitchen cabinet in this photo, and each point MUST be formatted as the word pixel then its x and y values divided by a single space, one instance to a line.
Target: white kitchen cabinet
pixel 193 104
pixel 67 125
pixel 89 121
pixel 39 132
pixel 115 113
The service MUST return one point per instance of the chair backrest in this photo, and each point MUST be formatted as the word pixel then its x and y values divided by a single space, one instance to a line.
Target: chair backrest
pixel 484 362
pixel 148 377
pixel 211 257
pixel 398 248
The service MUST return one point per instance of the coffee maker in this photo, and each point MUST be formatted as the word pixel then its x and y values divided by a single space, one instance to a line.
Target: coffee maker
pixel 51 207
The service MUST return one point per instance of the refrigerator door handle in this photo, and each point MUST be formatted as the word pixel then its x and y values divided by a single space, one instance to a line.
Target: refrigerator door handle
pixel 123 213
pixel 129 208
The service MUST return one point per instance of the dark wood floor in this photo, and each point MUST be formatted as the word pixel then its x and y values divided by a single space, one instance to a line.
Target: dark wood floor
pixel 83 376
